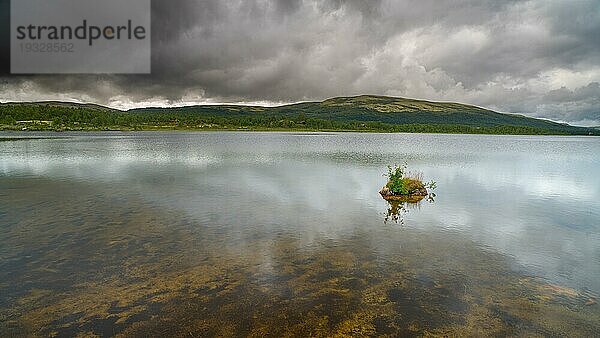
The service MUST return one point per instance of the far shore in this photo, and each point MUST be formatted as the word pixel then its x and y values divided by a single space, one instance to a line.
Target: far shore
pixel 249 130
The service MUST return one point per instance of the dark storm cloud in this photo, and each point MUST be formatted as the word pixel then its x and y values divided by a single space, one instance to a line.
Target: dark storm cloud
pixel 540 58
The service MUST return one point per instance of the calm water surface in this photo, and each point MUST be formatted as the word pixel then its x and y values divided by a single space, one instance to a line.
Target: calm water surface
pixel 285 234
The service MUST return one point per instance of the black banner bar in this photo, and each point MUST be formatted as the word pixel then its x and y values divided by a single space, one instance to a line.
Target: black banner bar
pixel 4 37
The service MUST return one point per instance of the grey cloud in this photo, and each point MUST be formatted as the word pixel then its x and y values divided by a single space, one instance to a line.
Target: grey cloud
pixel 581 104
pixel 534 57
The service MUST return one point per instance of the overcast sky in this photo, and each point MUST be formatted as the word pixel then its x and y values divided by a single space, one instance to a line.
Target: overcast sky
pixel 540 58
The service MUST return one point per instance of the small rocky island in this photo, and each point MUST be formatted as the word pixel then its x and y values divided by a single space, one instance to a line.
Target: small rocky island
pixel 405 186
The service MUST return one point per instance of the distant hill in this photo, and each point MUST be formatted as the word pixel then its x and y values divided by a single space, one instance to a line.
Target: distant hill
pixel 62 104
pixel 357 113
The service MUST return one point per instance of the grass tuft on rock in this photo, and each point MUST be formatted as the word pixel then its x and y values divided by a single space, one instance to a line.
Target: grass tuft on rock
pixel 404 183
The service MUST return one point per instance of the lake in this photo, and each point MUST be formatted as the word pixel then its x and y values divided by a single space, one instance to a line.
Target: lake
pixel 233 233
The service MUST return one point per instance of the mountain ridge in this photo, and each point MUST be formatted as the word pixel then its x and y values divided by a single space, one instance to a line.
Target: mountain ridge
pixel 360 113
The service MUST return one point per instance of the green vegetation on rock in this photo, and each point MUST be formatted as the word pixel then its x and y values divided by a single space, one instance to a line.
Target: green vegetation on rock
pixel 403 183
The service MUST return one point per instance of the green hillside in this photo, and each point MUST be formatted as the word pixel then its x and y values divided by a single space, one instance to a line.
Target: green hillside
pixel 408 111
pixel 360 113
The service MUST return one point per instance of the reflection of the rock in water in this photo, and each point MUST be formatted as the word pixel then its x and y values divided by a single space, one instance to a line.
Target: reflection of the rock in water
pixel 401 205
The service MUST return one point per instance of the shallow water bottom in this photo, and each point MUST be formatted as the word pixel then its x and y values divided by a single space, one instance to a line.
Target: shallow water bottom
pixel 139 270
